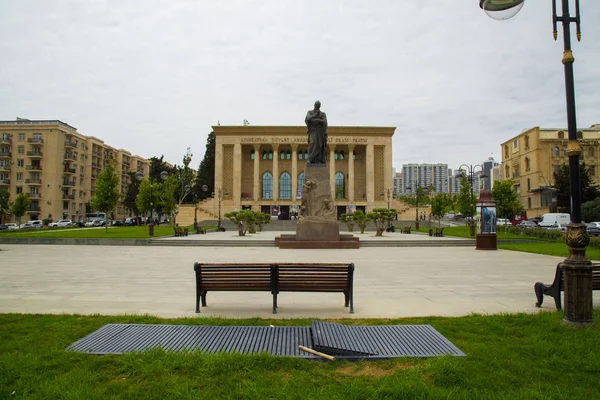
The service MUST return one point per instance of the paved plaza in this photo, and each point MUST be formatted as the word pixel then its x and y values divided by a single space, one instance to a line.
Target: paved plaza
pixel 390 282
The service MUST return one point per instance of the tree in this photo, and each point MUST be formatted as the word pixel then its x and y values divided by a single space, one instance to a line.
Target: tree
pixel 347 219
pixel 130 197
pixel 19 207
pixel 243 220
pixel 4 204
pixel 361 220
pixel 382 218
pixel 591 210
pixel 167 204
pixel 185 182
pixel 507 199
pixel 464 200
pixel 262 219
pixel 144 201
pixel 157 165
pixel 562 186
pixel 107 191
pixel 206 171
pixel 438 206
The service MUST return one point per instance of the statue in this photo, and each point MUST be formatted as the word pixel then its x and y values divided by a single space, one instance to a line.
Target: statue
pixel 316 122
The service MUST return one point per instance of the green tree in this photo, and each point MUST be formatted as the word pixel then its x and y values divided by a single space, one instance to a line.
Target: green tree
pixel 464 200
pixel 19 207
pixel 361 220
pixel 4 204
pixel 382 217
pixel 107 191
pixel 206 171
pixel 438 206
pixel 145 200
pixel 167 204
pixel 262 219
pixel 562 186
pixel 591 210
pixel 130 197
pixel 158 165
pixel 185 179
pixel 242 219
pixel 348 220
pixel 507 199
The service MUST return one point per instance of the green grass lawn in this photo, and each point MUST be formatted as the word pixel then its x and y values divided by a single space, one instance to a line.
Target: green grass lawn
pixel 113 232
pixel 508 356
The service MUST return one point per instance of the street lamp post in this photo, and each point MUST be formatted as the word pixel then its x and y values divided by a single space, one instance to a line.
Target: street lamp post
pixel 204 189
pixel 471 171
pixel 577 268
pixel 139 176
pixel 219 196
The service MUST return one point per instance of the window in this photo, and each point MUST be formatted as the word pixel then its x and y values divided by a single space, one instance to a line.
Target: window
pixel 19 189
pixel 300 183
pixel 507 172
pixel 335 155
pixel 19 176
pixel 556 169
pixel 592 170
pixel 591 152
pixel 288 155
pixel 555 151
pixel 561 135
pixel 579 135
pixel 81 158
pixel 339 185
pixel 527 164
pixel 37 137
pixel 565 151
pixel 282 155
pixel 529 185
pixel 526 142
pixel 21 136
pixel 252 155
pixel 515 144
pixel 285 186
pixel 65 205
pixel 270 155
pixel 20 163
pixel 529 202
pixel 506 151
pixel 264 156
pixel 267 186
pixel 300 155
pixel 306 155
pixel 354 155
pixel 21 149
pixel 81 170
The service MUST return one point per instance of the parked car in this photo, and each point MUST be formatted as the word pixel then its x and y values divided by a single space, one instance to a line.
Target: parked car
pixel 78 224
pixel 559 226
pixel 502 221
pixel 593 228
pixel 99 222
pixel 34 224
pixel 3 227
pixel 551 219
pixel 132 221
pixel 60 223
pixel 527 224
pixel 116 222
pixel 89 223
pixel 12 226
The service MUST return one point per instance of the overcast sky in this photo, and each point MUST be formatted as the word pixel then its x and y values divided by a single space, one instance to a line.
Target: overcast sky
pixel 153 76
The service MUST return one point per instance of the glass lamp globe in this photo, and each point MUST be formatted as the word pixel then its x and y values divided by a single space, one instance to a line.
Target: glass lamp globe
pixel 501 9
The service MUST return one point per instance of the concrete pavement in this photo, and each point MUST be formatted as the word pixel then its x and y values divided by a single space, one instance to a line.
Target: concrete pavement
pixel 389 282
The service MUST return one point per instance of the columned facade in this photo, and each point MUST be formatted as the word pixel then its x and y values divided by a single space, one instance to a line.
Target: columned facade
pixel 261 167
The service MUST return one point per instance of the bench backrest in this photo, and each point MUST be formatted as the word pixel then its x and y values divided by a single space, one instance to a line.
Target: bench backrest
pixel 216 276
pixel 302 277
pixel 595 276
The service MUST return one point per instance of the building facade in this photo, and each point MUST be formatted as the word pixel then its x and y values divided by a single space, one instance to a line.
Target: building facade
pixel 488 165
pixel 425 175
pixel 57 167
pixel 531 158
pixel 262 167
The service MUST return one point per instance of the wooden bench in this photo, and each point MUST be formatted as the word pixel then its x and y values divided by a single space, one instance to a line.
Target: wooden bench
pixel 406 229
pixel 439 232
pixel 558 286
pixel 180 232
pixel 275 278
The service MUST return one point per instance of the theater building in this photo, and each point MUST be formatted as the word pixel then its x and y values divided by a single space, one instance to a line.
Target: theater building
pixel 262 167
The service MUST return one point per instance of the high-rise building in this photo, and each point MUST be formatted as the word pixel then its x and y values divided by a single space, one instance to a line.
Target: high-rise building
pixel 425 175
pixel 397 182
pixel 531 158
pixel 57 167
pixel 487 170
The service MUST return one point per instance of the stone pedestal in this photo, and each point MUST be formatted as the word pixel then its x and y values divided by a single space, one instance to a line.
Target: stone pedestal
pixel 486 241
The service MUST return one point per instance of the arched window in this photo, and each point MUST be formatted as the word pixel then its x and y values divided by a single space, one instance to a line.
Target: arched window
pixel 506 151
pixel 526 142
pixel 270 155
pixel 507 172
pixel 300 182
pixel 282 155
pixel 288 155
pixel 339 186
pixel 555 151
pixel 335 155
pixel 267 186
pixel 264 155
pixel 591 152
pixel 527 163
pixel 561 135
pixel 354 155
pixel 252 155
pixel 285 186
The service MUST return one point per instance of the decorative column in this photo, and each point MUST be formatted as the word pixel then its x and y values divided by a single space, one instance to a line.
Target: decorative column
pixel 350 174
pixel 332 169
pixel 370 176
pixel 256 187
pixel 237 176
pixel 294 171
pixel 275 172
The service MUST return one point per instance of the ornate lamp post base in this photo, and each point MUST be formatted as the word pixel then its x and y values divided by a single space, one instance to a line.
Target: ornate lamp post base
pixel 578 304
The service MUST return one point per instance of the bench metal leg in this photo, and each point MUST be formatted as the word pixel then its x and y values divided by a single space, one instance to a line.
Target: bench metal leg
pixel 204 299
pixel 274 303
pixel 351 301
pixel 346 299
pixel 542 289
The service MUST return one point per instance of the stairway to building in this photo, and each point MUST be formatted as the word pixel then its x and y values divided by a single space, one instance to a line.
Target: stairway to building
pixel 205 212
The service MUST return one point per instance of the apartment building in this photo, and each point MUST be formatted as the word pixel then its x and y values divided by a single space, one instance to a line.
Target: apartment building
pixel 57 167
pixel 425 175
pixel 531 158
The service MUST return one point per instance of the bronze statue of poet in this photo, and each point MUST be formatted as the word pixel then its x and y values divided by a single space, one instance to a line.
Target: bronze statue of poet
pixel 316 122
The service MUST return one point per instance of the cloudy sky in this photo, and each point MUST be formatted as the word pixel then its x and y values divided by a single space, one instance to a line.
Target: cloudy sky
pixel 154 76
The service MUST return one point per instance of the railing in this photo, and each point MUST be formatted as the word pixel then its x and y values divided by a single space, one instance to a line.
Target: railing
pixel 34 195
pixel 33 167
pixel 70 156
pixel 4 181
pixel 70 143
pixel 6 154
pixel 34 209
pixel 33 181
pixel 34 154
pixel 4 167
pixel 68 197
pixel 6 140
pixel 35 140
pixel 68 183
pixel 69 170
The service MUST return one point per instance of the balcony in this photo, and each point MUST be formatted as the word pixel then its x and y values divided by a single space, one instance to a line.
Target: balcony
pixel 4 167
pixel 33 167
pixel 70 156
pixel 34 195
pixel 67 182
pixel 71 144
pixel 34 154
pixel 69 171
pixel 6 140
pixel 68 196
pixel 35 140
pixel 5 154
pixel 33 181
pixel 95 165
pixel 4 181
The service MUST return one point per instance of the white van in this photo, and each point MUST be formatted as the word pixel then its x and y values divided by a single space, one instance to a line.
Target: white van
pixel 553 219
